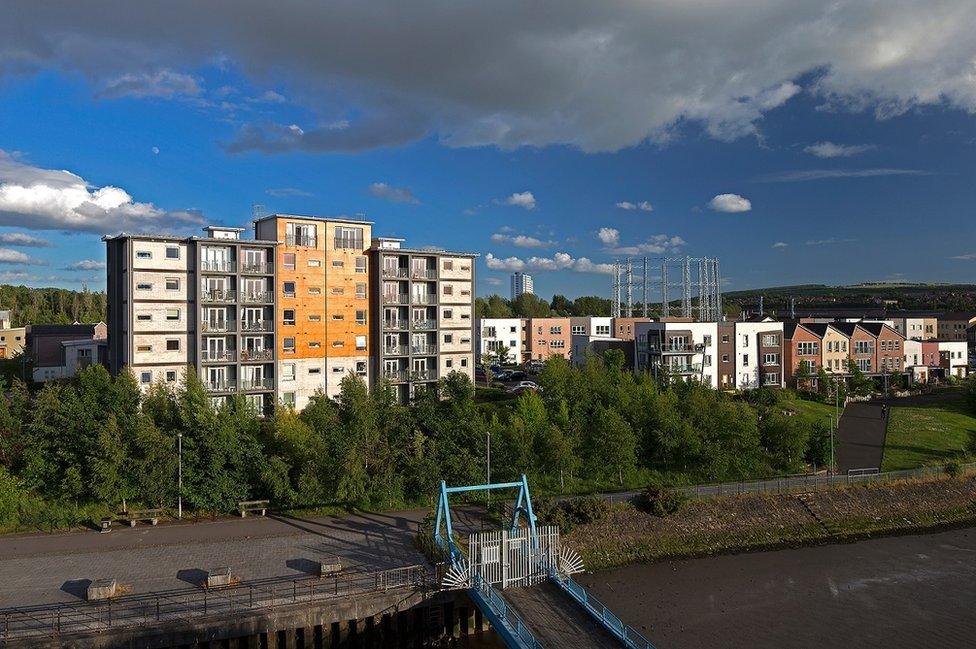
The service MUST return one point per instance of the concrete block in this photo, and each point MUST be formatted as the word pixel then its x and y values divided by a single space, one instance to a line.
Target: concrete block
pixel 102 589
pixel 329 568
pixel 219 577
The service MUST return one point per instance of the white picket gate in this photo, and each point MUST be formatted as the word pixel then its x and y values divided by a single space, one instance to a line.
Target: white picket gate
pixel 507 560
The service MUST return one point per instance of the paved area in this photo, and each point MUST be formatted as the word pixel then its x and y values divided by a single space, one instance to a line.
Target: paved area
pixel 860 436
pixel 556 620
pixel 48 568
pixel 908 591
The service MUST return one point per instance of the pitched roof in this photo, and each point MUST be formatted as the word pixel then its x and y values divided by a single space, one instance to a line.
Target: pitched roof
pixel 55 329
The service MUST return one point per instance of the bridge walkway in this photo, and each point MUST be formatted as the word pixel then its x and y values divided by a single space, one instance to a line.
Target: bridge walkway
pixel 556 620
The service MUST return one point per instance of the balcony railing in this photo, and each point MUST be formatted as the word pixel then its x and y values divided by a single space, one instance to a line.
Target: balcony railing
pixel 395 272
pixel 218 295
pixel 257 325
pixel 218 326
pixel 395 350
pixel 395 299
pixel 257 268
pixel 395 324
pixel 301 240
pixel 674 348
pixel 227 385
pixel 257 383
pixel 690 368
pixel 395 376
pixel 355 243
pixel 257 297
pixel 219 356
pixel 423 273
pixel 423 350
pixel 423 375
pixel 423 299
pixel 256 355
pixel 424 324
pixel 219 266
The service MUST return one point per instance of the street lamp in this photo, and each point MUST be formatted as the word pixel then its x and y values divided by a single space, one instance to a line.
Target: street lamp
pixel 179 445
pixel 488 466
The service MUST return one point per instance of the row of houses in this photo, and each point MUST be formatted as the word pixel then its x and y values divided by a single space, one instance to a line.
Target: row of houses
pixel 743 354
pixel 54 351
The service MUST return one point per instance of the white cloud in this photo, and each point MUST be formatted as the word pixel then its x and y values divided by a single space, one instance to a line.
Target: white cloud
pixel 493 281
pixel 155 150
pixel 827 242
pixel 563 77
pixel 730 203
pixel 820 174
pixel 967 257
pixel 559 261
pixel 654 245
pixel 831 150
pixel 8 256
pixel 508 263
pixel 51 199
pixel 393 194
pixel 288 192
pixel 24 239
pixel 270 97
pixel 520 199
pixel 609 236
pixel 780 244
pixel 86 264
pixel 521 240
pixel 644 206
pixel 165 84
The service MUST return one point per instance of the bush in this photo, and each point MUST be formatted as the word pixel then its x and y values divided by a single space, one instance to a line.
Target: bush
pixel 953 468
pixel 568 514
pixel 661 501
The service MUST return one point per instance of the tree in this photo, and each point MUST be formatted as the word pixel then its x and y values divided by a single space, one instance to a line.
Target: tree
pixel 612 445
pixel 860 384
pixel 561 305
pixel 969 391
pixel 591 305
pixel 784 439
pixel 494 306
pixel 528 305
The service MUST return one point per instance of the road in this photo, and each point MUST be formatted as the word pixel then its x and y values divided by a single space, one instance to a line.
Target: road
pixel 49 568
pixel 908 591
pixel 861 436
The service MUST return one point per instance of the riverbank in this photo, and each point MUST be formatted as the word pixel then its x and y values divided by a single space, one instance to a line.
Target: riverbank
pixel 755 522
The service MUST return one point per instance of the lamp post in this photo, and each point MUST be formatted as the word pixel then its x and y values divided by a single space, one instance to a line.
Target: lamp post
pixel 830 424
pixel 179 497
pixel 488 467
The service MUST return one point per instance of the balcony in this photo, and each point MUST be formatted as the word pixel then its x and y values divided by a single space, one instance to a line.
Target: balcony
pixel 675 348
pixel 218 326
pixel 257 297
pixel 257 383
pixel 423 375
pixel 395 299
pixel 396 273
pixel 423 299
pixel 423 273
pixel 257 325
pixel 396 325
pixel 301 240
pixel 218 266
pixel 354 243
pixel 690 368
pixel 218 356
pixel 423 350
pixel 397 376
pixel 257 268
pixel 424 324
pixel 227 385
pixel 218 295
pixel 257 355
pixel 395 350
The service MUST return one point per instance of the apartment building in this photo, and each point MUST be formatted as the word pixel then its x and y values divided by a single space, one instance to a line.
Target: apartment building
pixel 624 328
pixel 758 354
pixel 916 327
pixel 802 347
pixel 521 283
pixel 206 302
pixel 548 337
pixel 498 333
pixel 684 350
pixel 322 310
pixel 423 315
pixel 935 359
pixel 726 355
pixel 12 339
pixel 595 326
pixel 957 326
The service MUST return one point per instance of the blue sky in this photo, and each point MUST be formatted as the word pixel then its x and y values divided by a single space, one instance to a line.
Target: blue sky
pixel 850 163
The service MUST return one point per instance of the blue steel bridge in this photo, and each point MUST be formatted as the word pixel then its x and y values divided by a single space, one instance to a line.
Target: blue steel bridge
pixel 521 579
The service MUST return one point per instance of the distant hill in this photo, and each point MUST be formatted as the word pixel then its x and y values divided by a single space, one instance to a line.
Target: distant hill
pixel 909 296
pixel 51 305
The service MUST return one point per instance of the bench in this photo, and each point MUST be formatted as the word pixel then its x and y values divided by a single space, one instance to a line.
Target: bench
pixel 150 516
pixel 246 506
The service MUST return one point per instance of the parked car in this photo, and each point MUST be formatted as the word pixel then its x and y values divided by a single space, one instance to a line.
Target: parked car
pixel 517 375
pixel 521 389
pixel 526 385
pixel 535 366
pixel 503 375
pixel 480 374
pixel 495 369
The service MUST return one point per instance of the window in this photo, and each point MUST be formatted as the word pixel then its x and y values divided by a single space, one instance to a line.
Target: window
pixel 745 340
pixel 346 237
pixel 465 316
pixel 361 265
pixel 725 339
pixel 771 379
pixel 448 339
pixel 707 360
pixel 314 317
pixel 338 263
pixel 449 313
pixel 448 363
pixel 288 288
pixel 172 314
pixel 144 286
pixel 288 399
pixel 361 290
pixel 725 358
pixel 863 346
pixel 314 263
pixel 360 316
pixel 555 330
pixel 448 264
pixel 337 370
pixel 288 372
pixel 464 362
pixel 315 290
pixel 338 343
pixel 557 344
pixel 864 364
pixel 288 261
pixel 145 377
pixel 144 317
pixel 807 348
pixel 770 359
pixel 770 340
pixel 314 344
pixel 315 370
pixel 577 330
pixel 338 290
pixel 338 316
pixel 172 252
pixel 170 376
pixel 707 340
pixel 604 330
pixel 288 344
pixel 143 254
pixel 288 315
pixel 360 343
pixel 361 368
pixel 173 344
pixel 745 359
pixel 448 289
pixel 172 283
pixel 143 348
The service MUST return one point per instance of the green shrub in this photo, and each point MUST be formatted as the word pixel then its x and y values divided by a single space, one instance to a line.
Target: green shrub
pixel 953 468
pixel 569 513
pixel 661 501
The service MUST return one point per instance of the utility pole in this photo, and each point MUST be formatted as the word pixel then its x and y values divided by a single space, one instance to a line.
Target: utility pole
pixel 179 444
pixel 488 467
pixel 644 296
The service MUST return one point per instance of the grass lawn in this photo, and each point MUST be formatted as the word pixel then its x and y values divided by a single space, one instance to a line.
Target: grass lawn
pixel 811 411
pixel 922 434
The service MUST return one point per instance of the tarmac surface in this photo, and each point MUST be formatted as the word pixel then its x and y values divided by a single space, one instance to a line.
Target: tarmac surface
pixel 861 436
pixel 907 591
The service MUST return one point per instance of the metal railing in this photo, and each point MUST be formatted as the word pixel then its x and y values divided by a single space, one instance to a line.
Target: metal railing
pixel 423 375
pixel 301 240
pixel 423 299
pixel 257 267
pixel 218 356
pixel 424 324
pixel 395 350
pixel 217 266
pixel 395 272
pixel 133 611
pixel 252 355
pixel 257 297
pixel 258 383
pixel 397 376
pixel 510 620
pixel 218 295
pixel 395 299
pixel 674 348
pixel 348 242
pixel 624 632
pixel 423 273
pixel 228 385
pixel 257 325
pixel 218 326
pixel 423 350
pixel 394 324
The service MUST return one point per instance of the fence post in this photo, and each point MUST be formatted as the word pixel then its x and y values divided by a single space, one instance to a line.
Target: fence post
pixel 294 591
pixel 250 596
pixel 204 602
pixel 157 609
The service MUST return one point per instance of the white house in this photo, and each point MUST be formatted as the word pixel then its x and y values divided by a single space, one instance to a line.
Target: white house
pixel 758 354
pixel 497 333
pixel 686 350
pixel 593 326
pixel 954 357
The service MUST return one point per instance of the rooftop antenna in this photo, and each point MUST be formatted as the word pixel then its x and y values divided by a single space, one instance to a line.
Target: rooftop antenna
pixel 792 308
pixel 258 211
pixel 761 313
pixel 630 288
pixel 644 296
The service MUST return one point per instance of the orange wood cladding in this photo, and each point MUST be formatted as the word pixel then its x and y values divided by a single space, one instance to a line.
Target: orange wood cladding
pixel 327 291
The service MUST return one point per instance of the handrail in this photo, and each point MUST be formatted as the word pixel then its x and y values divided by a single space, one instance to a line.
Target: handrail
pixel 623 632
